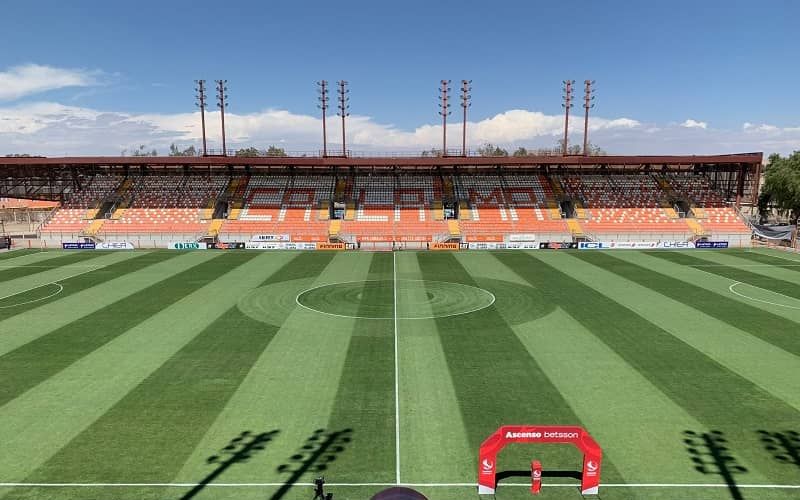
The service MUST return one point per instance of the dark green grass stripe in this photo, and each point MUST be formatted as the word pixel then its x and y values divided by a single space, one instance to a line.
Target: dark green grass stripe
pixel 769 327
pixel 42 358
pixel 365 398
pixel 761 258
pixel 150 433
pixel 496 381
pixel 82 282
pixel 731 272
pixel 78 257
pixel 17 253
pixel 712 394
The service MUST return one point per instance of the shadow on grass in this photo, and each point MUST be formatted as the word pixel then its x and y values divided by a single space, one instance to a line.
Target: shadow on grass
pixel 240 449
pixel 710 453
pixel 574 474
pixel 784 446
pixel 320 449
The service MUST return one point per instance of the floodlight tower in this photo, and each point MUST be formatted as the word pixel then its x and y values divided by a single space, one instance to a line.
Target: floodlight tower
pixel 465 98
pixel 343 108
pixel 588 97
pixel 222 103
pixel 567 105
pixel 201 103
pixel 444 106
pixel 322 88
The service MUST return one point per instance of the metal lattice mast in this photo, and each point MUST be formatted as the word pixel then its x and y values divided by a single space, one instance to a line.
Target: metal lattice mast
pixel 322 88
pixel 222 98
pixel 444 110
pixel 343 108
pixel 588 97
pixel 567 104
pixel 201 103
pixel 465 98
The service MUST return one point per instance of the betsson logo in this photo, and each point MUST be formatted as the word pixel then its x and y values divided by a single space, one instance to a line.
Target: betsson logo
pixel 591 468
pixel 487 466
pixel 540 435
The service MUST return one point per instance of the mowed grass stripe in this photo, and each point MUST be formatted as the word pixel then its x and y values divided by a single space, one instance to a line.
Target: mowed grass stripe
pixel 741 275
pixel 735 259
pixel 85 390
pixel 148 435
pixel 580 365
pixel 32 324
pixel 292 386
pixel 496 381
pixel 17 253
pixel 428 401
pixel 763 324
pixel 79 257
pixel 772 260
pixel 81 282
pixel 45 356
pixel 712 394
pixel 365 399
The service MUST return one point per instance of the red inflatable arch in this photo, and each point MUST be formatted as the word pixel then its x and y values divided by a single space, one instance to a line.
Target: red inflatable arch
pixel 577 436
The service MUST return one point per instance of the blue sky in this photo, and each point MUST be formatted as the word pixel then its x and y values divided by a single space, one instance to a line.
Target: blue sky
pixel 728 65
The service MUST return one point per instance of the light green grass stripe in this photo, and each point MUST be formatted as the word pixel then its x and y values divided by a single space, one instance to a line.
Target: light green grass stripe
pixel 88 388
pixel 428 403
pixel 580 365
pixel 713 283
pixel 43 276
pixel 779 254
pixel 735 349
pixel 739 260
pixel 291 388
pixel 20 257
pixel 30 325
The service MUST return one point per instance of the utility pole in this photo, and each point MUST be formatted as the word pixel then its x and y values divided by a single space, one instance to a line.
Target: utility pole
pixel 201 103
pixel 444 106
pixel 567 105
pixel 222 97
pixel 343 107
pixel 322 88
pixel 588 97
pixel 465 98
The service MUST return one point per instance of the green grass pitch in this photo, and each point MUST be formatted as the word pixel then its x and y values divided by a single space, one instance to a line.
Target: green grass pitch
pixel 223 375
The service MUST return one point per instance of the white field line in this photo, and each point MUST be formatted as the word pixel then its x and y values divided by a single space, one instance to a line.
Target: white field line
pixel 52 282
pixel 396 375
pixel 737 266
pixel 417 485
pixel 60 289
pixel 37 266
pixel 760 300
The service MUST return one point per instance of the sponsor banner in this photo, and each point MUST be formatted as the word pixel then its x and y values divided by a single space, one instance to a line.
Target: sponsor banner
pixel 115 245
pixel 557 245
pixel 308 237
pixel 486 245
pixel 522 237
pixel 617 245
pixel 79 246
pixel 525 245
pixel 414 238
pixel 445 246
pixel 187 245
pixel 485 237
pixel 264 245
pixel 270 237
pixel 711 244
pixel 231 245
pixel 377 238
pixel 330 246
pixel 675 244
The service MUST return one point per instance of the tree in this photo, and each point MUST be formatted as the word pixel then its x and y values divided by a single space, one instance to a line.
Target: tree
pixel 489 149
pixel 141 151
pixel 521 152
pixel 248 152
pixel 432 152
pixel 276 151
pixel 175 151
pixel 781 188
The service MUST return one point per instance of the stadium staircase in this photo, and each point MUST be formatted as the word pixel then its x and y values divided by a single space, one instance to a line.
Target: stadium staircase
pixel 464 212
pixel 551 201
pixel 214 228
pixel 575 228
pixel 334 228
pixel 453 228
pixel 324 210
pixel 696 227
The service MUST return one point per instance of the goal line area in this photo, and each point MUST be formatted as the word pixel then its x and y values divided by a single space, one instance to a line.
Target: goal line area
pixel 413 485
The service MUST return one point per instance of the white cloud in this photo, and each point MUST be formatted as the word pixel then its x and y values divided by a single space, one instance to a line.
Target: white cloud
pixel 694 124
pixel 19 81
pixel 55 129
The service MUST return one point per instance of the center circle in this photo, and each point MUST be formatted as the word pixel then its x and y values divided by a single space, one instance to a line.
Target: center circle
pixel 387 299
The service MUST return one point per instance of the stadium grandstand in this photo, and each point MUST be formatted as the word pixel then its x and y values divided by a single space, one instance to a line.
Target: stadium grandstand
pixel 385 202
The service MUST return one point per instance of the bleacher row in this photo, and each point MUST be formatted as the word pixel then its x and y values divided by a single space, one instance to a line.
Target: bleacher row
pixel 393 207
